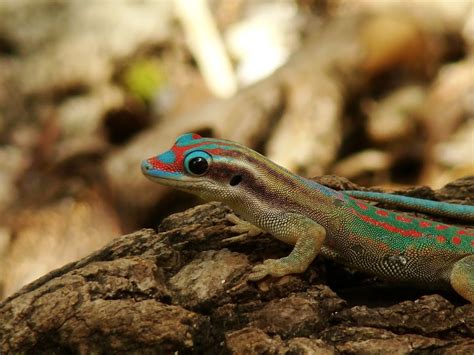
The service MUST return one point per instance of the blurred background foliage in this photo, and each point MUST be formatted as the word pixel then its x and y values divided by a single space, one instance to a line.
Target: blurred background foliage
pixel 144 78
pixel 381 92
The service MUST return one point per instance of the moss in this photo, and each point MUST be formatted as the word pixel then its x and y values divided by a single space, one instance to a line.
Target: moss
pixel 144 77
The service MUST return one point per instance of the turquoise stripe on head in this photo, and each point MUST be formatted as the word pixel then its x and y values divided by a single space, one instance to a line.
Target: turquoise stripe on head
pixel 167 157
pixel 187 138
pixel 165 174
pixel 211 146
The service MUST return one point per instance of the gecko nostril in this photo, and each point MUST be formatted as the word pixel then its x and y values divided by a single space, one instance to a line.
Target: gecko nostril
pixel 146 166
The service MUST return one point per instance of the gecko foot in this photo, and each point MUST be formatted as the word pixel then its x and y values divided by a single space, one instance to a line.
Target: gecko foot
pixel 274 267
pixel 241 226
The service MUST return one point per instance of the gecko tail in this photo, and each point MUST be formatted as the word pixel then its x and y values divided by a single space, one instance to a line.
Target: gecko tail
pixel 443 209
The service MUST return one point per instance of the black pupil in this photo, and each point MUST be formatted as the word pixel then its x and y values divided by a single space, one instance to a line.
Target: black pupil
pixel 198 165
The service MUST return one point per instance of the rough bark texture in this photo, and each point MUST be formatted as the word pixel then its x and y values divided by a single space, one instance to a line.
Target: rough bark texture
pixel 183 288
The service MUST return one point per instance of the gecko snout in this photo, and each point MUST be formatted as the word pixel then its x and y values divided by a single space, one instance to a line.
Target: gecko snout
pixel 146 166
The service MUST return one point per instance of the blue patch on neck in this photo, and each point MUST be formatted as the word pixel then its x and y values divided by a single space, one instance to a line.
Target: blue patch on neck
pixel 167 157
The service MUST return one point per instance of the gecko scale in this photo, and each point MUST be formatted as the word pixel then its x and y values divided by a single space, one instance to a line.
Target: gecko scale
pixel 316 219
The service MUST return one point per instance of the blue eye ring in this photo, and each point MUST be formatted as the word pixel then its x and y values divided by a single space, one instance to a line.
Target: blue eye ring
pixel 197 163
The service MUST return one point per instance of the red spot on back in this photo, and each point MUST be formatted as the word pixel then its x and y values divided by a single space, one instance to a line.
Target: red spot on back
pixel 441 239
pixel 362 206
pixel 382 213
pixel 403 219
pixel 196 136
pixel 466 232
pixel 456 240
pixel 388 227
pixel 441 227
pixel 424 224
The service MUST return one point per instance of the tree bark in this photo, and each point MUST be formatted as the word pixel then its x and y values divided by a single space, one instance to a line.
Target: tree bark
pixel 183 288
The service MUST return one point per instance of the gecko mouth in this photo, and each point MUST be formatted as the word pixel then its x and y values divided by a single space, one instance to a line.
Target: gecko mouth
pixel 184 185
pixel 168 178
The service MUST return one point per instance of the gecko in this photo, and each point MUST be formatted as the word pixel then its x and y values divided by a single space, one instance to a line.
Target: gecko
pixel 316 219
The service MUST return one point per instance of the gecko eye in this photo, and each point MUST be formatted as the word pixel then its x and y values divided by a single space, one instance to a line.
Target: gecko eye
pixel 198 166
pixel 197 163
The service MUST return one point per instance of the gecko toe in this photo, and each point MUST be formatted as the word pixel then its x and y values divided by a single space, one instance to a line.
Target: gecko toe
pixel 258 273
pixel 240 226
pixel 273 267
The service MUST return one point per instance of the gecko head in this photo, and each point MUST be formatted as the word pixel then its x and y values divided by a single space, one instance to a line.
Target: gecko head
pixel 213 169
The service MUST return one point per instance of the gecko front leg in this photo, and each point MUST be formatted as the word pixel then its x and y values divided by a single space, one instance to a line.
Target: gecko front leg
pixel 244 228
pixel 305 234
pixel 241 226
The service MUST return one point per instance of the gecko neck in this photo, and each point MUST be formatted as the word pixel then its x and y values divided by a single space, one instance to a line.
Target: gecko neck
pixel 273 188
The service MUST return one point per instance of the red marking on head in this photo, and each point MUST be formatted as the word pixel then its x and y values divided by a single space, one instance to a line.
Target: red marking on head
pixel 382 213
pixel 390 228
pixel 216 151
pixel 177 165
pixel 155 163
pixel 441 227
pixel 196 136
pixel 403 219
pixel 179 151
pixel 424 224
pixel 362 206
pixel 441 239
pixel 159 165
pixel 456 240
